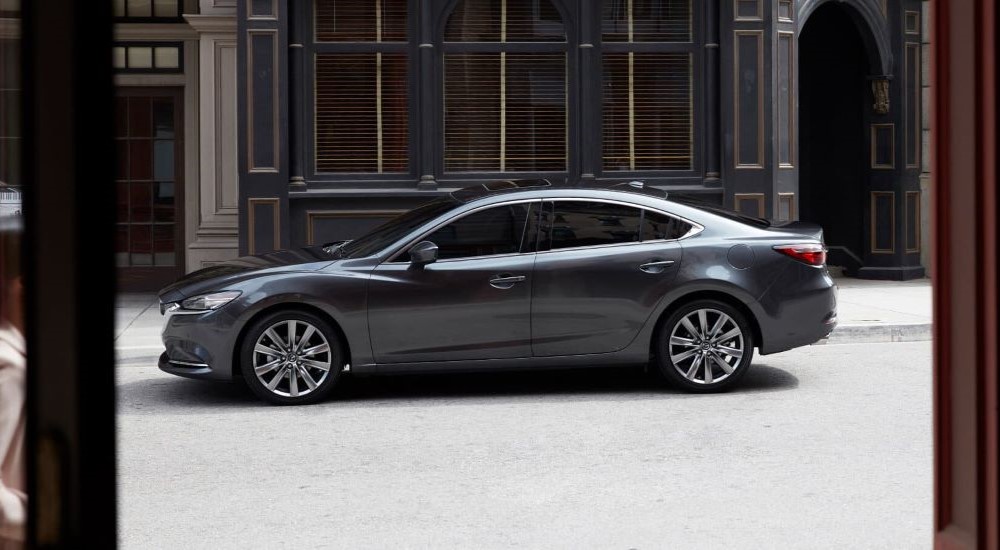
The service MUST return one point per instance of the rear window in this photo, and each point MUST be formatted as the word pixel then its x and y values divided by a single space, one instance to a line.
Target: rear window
pixel 724 212
pixel 578 223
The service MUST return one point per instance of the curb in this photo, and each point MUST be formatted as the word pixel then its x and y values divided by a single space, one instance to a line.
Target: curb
pixel 871 334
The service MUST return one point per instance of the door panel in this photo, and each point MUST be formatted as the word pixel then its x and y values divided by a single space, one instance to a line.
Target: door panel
pixel 595 300
pixel 449 310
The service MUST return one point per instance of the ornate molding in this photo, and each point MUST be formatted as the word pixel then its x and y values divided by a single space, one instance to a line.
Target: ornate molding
pixel 880 91
pixel 212 23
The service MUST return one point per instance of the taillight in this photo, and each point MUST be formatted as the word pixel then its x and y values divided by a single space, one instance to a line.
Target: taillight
pixel 808 253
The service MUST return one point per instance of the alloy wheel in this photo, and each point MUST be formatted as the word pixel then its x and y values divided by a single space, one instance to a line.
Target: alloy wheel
pixel 292 358
pixel 706 346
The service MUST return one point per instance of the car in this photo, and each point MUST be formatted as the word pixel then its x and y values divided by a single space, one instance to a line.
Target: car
pixel 510 275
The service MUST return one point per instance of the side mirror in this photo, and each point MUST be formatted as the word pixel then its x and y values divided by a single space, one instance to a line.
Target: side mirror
pixel 423 253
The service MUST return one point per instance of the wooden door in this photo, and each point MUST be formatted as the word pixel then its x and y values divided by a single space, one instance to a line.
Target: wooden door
pixel 149 230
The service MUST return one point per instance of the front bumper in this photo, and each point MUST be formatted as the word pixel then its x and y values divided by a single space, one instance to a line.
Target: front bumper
pixel 199 346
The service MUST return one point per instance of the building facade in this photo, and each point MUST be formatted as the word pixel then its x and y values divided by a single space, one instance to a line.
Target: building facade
pixel 276 124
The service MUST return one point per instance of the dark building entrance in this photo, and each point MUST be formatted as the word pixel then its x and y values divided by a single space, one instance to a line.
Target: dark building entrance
pixel 833 96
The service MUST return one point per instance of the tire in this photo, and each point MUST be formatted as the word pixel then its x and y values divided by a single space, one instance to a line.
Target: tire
pixel 728 352
pixel 284 376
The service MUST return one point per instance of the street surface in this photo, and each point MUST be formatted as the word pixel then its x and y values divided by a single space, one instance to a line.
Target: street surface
pixel 827 446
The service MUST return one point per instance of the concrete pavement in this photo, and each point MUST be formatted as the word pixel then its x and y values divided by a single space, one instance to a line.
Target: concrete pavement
pixel 821 447
pixel 869 311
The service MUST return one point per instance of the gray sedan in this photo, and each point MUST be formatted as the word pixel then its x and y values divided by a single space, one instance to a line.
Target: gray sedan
pixel 512 274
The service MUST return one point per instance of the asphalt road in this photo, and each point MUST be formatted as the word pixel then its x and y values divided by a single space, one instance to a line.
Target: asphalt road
pixel 823 447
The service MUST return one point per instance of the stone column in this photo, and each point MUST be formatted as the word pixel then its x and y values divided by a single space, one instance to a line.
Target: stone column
pixel 216 231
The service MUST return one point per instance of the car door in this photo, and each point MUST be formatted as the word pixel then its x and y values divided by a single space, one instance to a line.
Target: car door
pixel 601 268
pixel 472 303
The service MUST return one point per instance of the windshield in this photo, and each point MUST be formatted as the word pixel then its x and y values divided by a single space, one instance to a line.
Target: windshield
pixel 394 229
pixel 722 211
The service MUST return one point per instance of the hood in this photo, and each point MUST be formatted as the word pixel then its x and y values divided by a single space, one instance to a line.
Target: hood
pixel 233 271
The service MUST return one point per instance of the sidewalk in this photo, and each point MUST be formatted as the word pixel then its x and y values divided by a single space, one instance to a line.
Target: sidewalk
pixel 868 312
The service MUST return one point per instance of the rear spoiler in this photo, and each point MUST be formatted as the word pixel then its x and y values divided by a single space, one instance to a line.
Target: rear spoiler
pixel 806 229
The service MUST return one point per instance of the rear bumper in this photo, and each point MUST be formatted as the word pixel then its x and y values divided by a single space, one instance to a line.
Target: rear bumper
pixel 798 310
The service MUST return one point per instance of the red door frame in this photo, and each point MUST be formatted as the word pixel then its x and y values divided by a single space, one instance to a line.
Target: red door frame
pixel 964 151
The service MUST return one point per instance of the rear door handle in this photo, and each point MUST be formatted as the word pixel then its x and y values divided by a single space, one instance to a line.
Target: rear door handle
pixel 656 266
pixel 504 280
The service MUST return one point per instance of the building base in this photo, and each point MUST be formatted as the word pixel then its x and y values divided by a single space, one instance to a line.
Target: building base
pixel 903 273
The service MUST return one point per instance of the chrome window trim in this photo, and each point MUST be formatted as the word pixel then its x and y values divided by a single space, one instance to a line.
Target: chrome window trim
pixel 696 228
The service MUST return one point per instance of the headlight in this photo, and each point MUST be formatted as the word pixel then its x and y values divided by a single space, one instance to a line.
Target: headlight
pixel 207 302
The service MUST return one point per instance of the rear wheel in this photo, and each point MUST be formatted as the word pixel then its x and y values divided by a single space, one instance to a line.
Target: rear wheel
pixel 705 346
pixel 291 358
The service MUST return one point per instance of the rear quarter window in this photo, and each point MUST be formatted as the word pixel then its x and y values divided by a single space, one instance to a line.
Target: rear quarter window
pixel 657 227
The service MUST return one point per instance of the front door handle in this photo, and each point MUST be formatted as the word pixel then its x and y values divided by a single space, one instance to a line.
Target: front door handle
pixel 656 266
pixel 505 280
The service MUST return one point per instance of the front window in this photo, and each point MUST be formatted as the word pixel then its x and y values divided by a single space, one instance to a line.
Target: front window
pixel 499 230
pixel 395 229
pixel 505 87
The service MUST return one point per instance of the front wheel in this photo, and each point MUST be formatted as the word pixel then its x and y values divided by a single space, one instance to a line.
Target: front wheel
pixel 291 358
pixel 705 346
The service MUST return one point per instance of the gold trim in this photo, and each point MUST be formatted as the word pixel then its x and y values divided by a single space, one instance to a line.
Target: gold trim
pixel 758 17
pixel 759 197
pixel 251 168
pixel 917 89
pixel 915 29
pixel 892 222
pixel 790 38
pixel 760 99
pixel 312 215
pixel 874 145
pixel 906 220
pixel 272 16
pixel 251 221
pixel 790 197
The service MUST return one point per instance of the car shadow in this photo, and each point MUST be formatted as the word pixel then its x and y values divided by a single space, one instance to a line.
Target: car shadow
pixel 598 383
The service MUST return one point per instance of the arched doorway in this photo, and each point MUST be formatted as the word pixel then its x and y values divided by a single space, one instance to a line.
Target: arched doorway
pixel 833 96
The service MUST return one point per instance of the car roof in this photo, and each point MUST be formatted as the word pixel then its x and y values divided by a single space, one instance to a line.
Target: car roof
pixel 499 187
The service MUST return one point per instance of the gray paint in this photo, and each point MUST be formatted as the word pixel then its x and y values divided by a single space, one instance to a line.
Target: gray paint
pixel 576 307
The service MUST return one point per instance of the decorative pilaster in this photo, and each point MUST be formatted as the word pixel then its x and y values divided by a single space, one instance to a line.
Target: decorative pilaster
pixel 216 232
pixel 427 119
pixel 713 139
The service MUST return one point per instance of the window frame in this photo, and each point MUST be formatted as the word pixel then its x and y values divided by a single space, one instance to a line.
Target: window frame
pixel 179 18
pixel 371 180
pixel 695 49
pixel 153 44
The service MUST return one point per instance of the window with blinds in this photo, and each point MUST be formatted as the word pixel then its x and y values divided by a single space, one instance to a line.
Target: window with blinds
pixel 646 21
pixel 505 111
pixel 361 75
pixel 354 21
pixel 647 109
